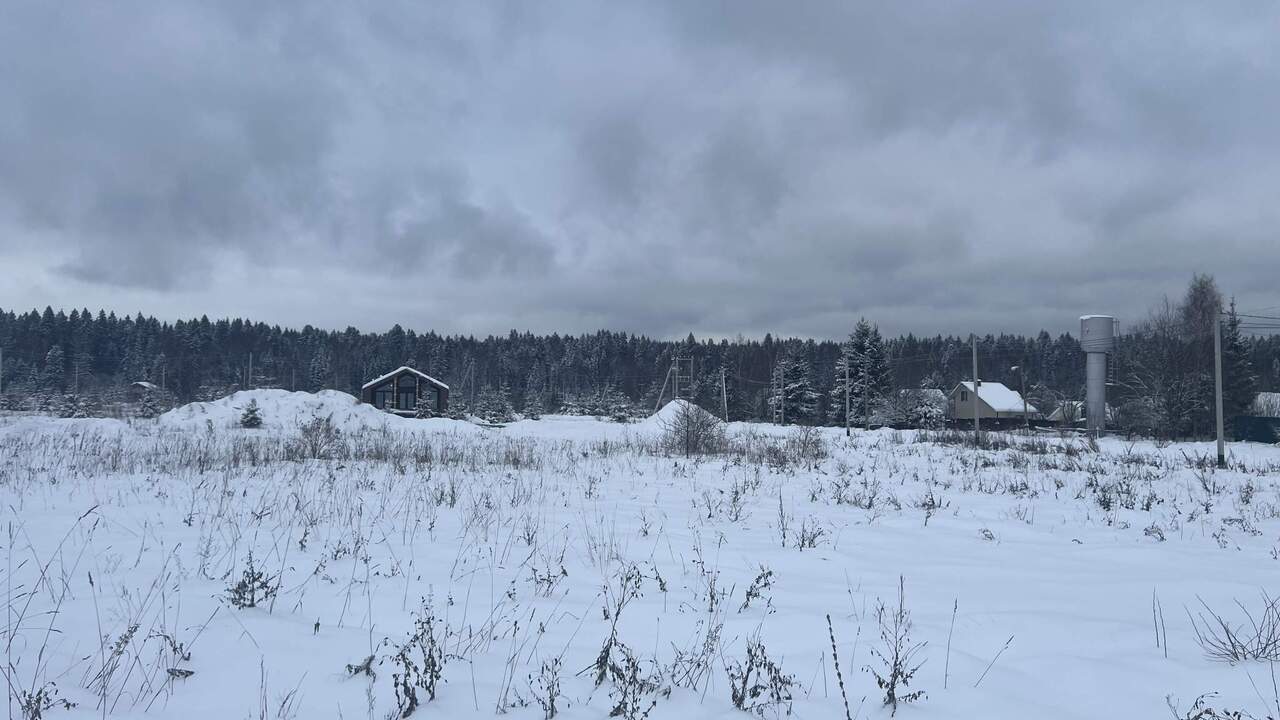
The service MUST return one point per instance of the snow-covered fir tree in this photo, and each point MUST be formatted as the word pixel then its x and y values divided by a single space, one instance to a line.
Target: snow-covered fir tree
pixel 792 398
pixel 870 381
pixel 251 417
pixel 494 405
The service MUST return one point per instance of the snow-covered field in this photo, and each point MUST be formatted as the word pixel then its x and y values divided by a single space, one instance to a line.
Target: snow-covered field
pixel 574 562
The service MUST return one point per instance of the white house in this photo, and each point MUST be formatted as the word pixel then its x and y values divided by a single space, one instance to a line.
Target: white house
pixel 995 401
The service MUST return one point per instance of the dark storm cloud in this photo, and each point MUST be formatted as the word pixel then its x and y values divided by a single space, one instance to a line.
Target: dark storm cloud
pixel 720 167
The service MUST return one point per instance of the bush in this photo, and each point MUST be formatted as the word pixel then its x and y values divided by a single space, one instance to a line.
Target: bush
pixel 1258 638
pixel 759 684
pixel 897 653
pixel 690 430
pixel 419 662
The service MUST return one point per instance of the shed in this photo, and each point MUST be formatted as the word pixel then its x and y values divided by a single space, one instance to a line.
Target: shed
pixel 402 390
pixel 995 401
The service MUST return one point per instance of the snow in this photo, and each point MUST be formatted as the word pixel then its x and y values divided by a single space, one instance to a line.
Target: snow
pixel 285 410
pixel 403 368
pixel 1000 398
pixel 512 535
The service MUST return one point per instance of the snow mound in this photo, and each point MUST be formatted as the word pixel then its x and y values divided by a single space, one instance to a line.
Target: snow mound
pixel 669 413
pixel 279 409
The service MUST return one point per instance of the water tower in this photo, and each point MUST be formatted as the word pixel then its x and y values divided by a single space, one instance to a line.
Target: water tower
pixel 1097 339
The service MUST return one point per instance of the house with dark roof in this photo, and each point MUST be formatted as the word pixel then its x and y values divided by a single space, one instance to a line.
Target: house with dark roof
pixel 403 390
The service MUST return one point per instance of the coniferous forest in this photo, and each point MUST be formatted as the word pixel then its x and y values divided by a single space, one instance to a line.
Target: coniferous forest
pixel 81 362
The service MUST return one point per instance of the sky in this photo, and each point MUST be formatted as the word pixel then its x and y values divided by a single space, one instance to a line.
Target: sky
pixel 660 167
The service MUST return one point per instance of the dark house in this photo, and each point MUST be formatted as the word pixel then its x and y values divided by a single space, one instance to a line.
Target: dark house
pixel 401 390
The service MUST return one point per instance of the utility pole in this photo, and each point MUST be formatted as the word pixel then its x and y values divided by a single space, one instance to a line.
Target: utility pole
pixel 249 380
pixel 1 370
pixel 1217 386
pixel 1022 380
pixel 977 429
pixel 847 432
pixel 663 391
pixel 866 400
pixel 724 395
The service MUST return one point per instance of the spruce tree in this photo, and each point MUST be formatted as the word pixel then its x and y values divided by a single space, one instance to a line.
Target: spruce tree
pixel 1239 384
pixel 792 398
pixel 869 377
pixel 251 417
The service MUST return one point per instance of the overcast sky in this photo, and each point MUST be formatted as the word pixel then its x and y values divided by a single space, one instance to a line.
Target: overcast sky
pixel 745 166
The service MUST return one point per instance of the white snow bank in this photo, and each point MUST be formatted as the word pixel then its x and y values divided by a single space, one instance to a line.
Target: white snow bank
pixel 668 414
pixel 281 409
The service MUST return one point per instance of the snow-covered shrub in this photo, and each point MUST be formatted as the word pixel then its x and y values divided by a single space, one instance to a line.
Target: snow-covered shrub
pixel 1256 639
pixel 896 654
pixel 758 684
pixel 689 430
pixel 419 661
pixel 318 438
pixel 546 688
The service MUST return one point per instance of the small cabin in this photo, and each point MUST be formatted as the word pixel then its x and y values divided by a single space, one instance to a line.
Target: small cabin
pixel 402 390
pixel 995 402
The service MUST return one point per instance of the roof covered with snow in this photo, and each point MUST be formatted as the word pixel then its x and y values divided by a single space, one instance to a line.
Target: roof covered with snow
pixel 402 369
pixel 1000 398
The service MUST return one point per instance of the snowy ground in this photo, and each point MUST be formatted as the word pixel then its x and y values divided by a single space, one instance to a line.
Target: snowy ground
pixel 1046 580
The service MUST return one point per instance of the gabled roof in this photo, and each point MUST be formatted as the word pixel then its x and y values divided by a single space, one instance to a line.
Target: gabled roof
pixel 1000 398
pixel 399 371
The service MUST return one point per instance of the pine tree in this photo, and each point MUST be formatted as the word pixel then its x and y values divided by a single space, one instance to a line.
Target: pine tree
pixel 792 397
pixel 54 374
pixel 1239 384
pixel 320 372
pixel 251 417
pixel 869 375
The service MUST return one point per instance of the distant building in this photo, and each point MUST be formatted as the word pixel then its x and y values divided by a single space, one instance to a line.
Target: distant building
pixel 995 402
pixel 403 389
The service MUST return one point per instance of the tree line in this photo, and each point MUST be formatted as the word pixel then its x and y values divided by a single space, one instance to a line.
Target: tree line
pixel 1161 374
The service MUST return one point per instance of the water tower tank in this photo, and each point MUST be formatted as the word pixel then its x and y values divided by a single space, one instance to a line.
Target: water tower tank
pixel 1097 333
pixel 1097 338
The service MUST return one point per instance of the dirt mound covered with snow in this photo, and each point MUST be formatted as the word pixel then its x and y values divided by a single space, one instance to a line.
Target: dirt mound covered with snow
pixel 670 413
pixel 281 409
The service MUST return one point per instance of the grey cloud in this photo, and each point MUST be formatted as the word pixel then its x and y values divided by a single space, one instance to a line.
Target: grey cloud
pixel 743 166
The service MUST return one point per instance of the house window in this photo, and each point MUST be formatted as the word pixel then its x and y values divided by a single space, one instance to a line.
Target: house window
pixel 408 392
pixel 964 396
pixel 382 396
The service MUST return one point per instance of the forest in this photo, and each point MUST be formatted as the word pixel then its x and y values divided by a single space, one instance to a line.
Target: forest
pixel 81 363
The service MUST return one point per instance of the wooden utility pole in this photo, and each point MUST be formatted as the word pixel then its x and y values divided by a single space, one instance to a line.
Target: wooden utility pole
pixel 847 432
pixel 249 380
pixel 663 391
pixel 724 395
pixel 977 429
pixel 866 396
pixel 1217 387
